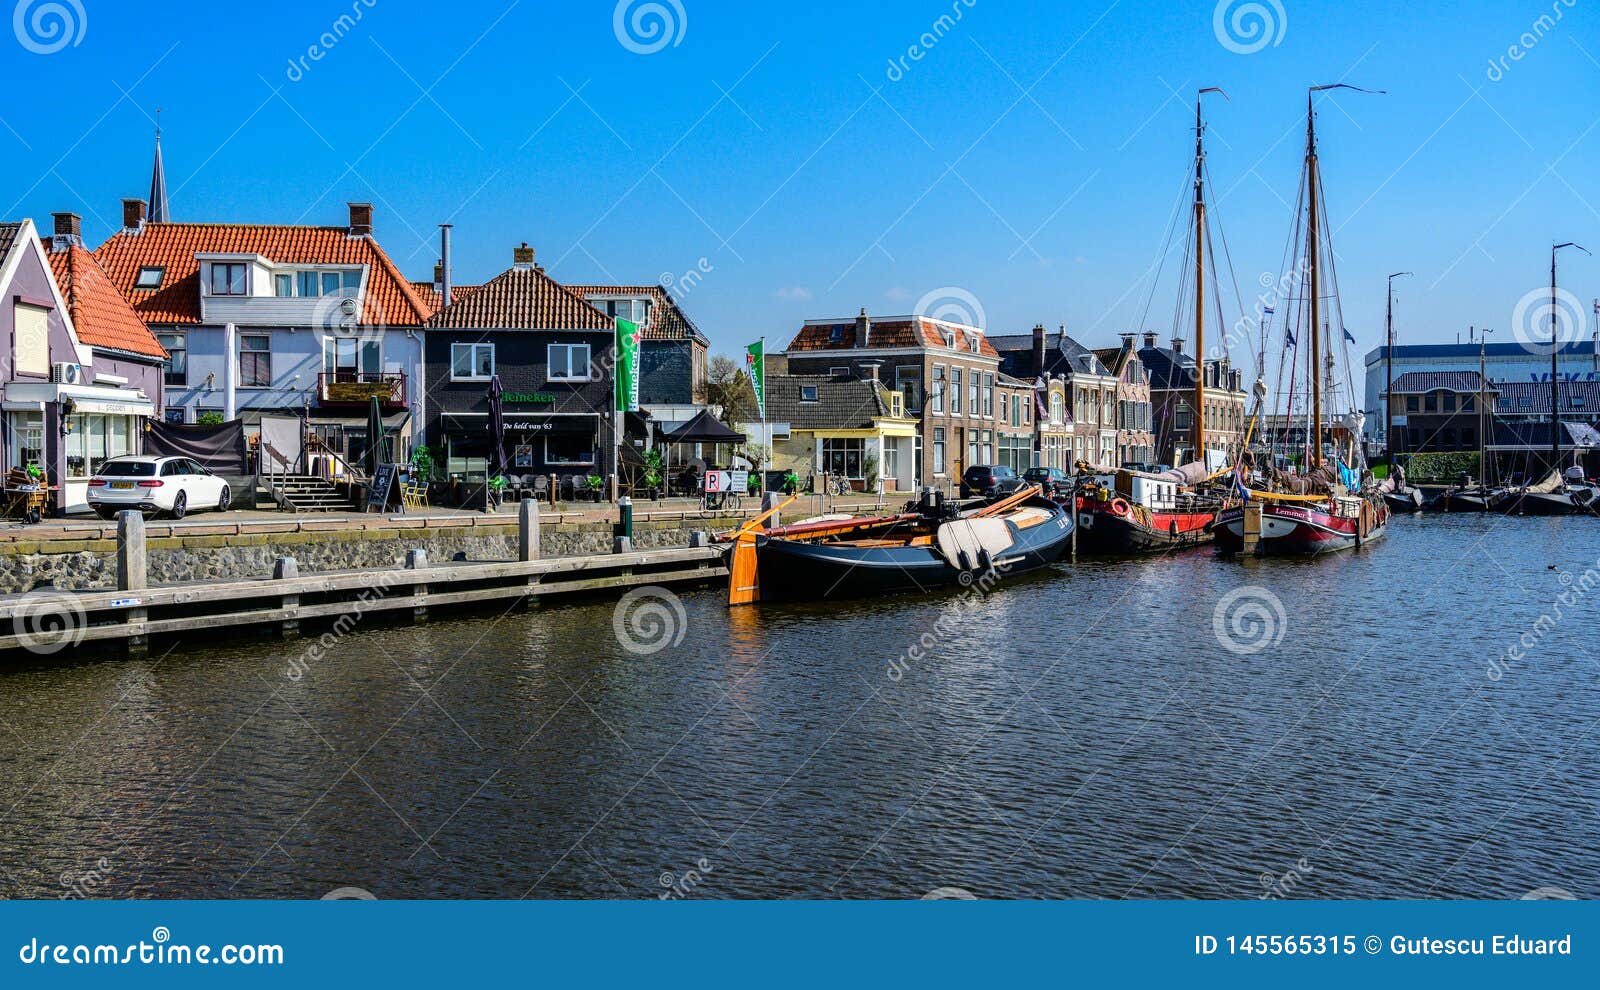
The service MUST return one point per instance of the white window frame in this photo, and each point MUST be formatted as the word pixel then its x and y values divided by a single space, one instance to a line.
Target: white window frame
pixel 150 277
pixel 472 360
pixel 570 353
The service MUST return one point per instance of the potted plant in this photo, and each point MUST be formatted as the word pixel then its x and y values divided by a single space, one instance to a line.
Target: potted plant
pixel 791 482
pixel 595 483
pixel 654 473
pixel 422 465
pixel 496 485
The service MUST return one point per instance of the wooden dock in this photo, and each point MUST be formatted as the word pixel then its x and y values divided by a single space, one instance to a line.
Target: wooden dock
pixel 52 621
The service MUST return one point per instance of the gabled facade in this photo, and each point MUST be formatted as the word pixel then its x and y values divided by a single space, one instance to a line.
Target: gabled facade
pixel 81 367
pixel 946 373
pixel 673 353
pixel 1135 441
pixel 554 354
pixel 1172 382
pixel 272 318
pixel 1089 388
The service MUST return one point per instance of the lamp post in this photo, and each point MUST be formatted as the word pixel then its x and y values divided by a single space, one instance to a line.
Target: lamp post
pixel 1388 370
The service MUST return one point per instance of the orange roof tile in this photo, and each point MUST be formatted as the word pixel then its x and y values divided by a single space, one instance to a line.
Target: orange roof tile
pixel 521 299
pixel 913 332
pixel 101 315
pixel 390 301
pixel 668 321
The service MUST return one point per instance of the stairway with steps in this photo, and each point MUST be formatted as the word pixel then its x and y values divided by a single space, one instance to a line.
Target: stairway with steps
pixel 307 493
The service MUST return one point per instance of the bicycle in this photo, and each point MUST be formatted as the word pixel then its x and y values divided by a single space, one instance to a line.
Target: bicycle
pixel 832 484
pixel 720 503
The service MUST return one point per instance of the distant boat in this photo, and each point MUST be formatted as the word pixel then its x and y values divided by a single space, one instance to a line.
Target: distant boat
pixel 933 546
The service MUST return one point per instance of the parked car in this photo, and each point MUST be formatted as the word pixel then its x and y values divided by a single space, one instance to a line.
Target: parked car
pixel 988 480
pixel 1054 481
pixel 173 485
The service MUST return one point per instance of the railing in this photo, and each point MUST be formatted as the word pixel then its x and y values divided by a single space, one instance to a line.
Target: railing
pixel 328 464
pixel 356 388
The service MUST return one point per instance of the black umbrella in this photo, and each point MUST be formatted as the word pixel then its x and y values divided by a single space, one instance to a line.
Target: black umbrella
pixel 374 438
pixel 497 428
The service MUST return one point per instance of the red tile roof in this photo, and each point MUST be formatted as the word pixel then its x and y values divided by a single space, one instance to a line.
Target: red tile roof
pixel 668 321
pixel 101 315
pixel 893 334
pixel 521 299
pixel 433 296
pixel 390 301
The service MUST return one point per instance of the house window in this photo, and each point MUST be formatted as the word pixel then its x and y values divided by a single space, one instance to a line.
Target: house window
pixel 568 362
pixel 808 393
pixel 988 395
pixel 955 390
pixel 227 278
pixel 836 335
pixel 986 442
pixel 1057 407
pixel 569 449
pixel 27 439
pixel 936 392
pixel 347 357
pixel 177 366
pixel 1412 403
pixel 471 362
pixel 974 386
pixel 1450 402
pixel 838 372
pixel 149 277
pixel 255 360
pixel 93 438
pixel 906 381
pixel 972 448
pixel 283 285
pixel 844 456
pixel 1468 403
pixel 938 450
pixel 1430 402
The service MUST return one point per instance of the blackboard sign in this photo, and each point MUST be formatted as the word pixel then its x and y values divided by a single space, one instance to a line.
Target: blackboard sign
pixel 382 486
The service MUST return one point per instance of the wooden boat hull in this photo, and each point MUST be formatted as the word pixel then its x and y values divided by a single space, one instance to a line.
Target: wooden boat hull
pixel 1470 500
pixel 1102 529
pixel 1540 504
pixel 798 570
pixel 1303 530
pixel 1403 503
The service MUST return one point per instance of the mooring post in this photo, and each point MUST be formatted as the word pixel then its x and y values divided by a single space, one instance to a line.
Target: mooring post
pixel 769 503
pixel 528 530
pixel 417 559
pixel 699 538
pixel 288 569
pixel 133 571
pixel 622 544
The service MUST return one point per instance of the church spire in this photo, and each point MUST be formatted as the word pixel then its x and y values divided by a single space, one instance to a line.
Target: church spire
pixel 158 181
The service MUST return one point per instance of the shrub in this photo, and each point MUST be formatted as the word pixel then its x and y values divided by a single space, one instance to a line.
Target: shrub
pixel 1441 467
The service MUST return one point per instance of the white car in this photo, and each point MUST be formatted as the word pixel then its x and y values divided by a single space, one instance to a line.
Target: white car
pixel 155 484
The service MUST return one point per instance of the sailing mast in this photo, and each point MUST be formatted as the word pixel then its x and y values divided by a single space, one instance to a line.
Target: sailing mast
pixel 1200 277
pixel 1313 248
pixel 1555 351
pixel 1388 371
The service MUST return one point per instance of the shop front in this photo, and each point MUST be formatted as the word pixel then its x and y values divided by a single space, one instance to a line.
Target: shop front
pixel 68 431
pixel 562 444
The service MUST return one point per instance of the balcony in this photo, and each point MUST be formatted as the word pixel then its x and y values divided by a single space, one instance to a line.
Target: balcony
pixel 357 388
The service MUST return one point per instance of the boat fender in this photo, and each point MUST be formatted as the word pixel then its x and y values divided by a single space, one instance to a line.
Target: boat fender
pixel 985 562
pixel 1119 506
pixel 963 562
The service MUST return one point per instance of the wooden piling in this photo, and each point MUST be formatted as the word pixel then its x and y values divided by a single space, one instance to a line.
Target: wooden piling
pixel 528 530
pixel 288 569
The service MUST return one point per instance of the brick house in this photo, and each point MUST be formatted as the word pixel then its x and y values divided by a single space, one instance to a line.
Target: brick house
pixel 1088 390
pixel 1172 382
pixel 947 374
pixel 1439 410
pixel 673 353
pixel 553 353
pixel 854 427
pixel 1135 442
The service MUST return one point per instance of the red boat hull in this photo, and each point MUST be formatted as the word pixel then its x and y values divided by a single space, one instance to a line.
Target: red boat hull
pixel 1115 527
pixel 1300 530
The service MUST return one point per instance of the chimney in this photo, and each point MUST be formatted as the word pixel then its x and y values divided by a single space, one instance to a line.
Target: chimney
pixel 1177 345
pixel 360 219
pixel 870 370
pixel 438 277
pixel 522 258
pixel 133 213
pixel 1038 348
pixel 68 229
pixel 1149 338
pixel 863 329
pixel 444 264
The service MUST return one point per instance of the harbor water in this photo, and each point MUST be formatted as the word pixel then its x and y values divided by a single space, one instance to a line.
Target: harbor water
pixel 1413 719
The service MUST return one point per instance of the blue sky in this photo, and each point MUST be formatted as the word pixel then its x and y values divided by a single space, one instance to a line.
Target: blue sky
pixel 1031 157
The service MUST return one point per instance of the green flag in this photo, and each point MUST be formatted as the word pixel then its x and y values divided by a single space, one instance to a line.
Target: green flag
pixel 627 366
pixel 755 360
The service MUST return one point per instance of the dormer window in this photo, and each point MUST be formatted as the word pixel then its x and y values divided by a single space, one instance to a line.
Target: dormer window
pixel 149 277
pixel 227 278
pixel 836 335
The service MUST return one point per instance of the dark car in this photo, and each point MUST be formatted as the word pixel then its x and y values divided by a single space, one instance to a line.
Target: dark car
pixel 988 480
pixel 1054 481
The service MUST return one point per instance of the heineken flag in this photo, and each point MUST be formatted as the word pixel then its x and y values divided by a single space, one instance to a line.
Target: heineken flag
pixel 755 360
pixel 627 372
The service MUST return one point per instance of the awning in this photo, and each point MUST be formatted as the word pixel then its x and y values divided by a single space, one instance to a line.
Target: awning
pixel 114 407
pixel 357 418
pixel 704 428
